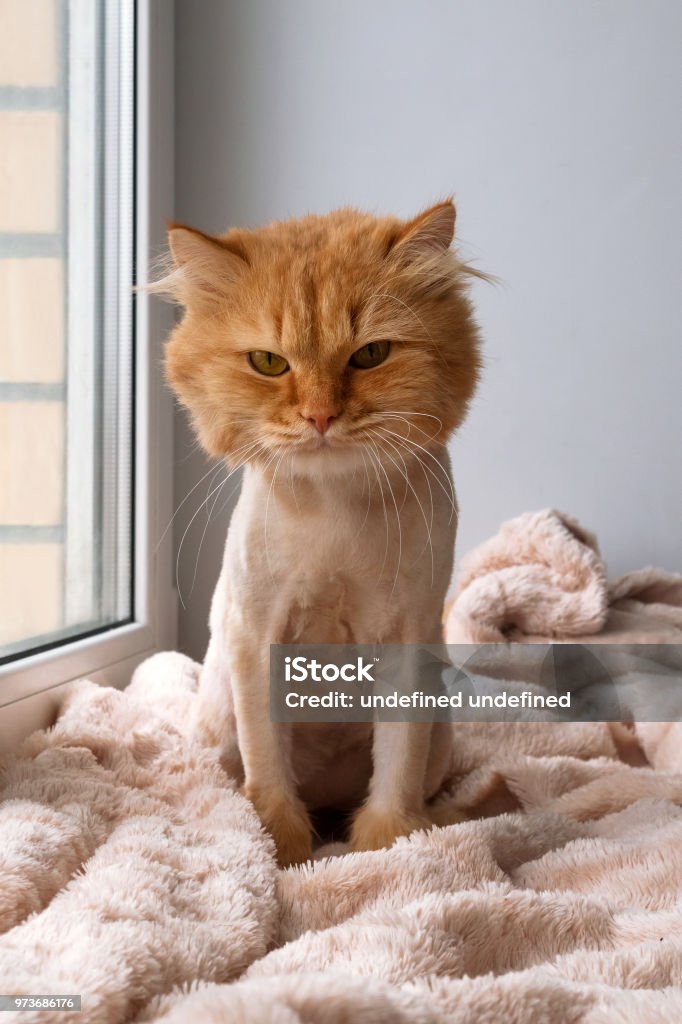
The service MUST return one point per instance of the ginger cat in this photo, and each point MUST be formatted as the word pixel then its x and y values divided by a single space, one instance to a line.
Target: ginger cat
pixel 332 357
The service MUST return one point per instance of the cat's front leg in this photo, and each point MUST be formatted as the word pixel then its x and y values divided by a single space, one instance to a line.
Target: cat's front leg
pixel 395 805
pixel 409 760
pixel 268 778
pixel 214 723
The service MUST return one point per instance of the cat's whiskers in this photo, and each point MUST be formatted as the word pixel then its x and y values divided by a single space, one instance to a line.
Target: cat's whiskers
pixel 177 560
pixel 387 454
pixel 372 460
pixel 452 499
pixel 423 468
pixel 233 491
pixel 238 484
pixel 292 485
pixel 391 414
pixel 449 494
pixel 369 489
pixel 267 509
pixel 241 450
pixel 203 503
pixel 209 515
pixel 405 474
pixel 210 470
pixel 413 454
pixel 397 516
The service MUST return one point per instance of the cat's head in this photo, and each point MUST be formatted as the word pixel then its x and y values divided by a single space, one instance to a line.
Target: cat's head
pixel 323 337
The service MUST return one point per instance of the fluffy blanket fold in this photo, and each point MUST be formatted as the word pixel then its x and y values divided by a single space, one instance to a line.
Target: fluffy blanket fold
pixel 541 579
pixel 132 872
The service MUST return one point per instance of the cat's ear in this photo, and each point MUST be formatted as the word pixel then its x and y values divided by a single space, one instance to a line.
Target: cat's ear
pixel 203 267
pixel 430 233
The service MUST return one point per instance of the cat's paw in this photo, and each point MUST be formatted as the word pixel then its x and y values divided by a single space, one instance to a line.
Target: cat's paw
pixel 375 828
pixel 287 821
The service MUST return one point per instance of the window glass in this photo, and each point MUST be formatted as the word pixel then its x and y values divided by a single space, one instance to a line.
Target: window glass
pixel 66 236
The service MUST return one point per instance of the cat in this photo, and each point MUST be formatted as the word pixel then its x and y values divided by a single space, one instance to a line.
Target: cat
pixel 332 357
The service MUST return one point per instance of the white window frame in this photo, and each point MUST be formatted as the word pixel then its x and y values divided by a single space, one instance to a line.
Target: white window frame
pixel 31 687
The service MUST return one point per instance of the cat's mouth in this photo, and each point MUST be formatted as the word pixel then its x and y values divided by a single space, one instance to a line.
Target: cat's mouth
pixel 320 443
pixel 330 443
pixel 325 445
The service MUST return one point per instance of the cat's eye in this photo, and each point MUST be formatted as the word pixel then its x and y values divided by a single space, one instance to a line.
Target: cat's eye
pixel 370 355
pixel 268 363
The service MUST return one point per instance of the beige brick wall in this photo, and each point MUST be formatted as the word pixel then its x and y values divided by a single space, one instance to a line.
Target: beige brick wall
pixel 32 308
pixel 31 591
pixel 31 463
pixel 30 171
pixel 31 320
pixel 28 42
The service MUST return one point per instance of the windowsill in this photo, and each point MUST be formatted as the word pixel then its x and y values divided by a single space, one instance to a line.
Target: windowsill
pixel 103 653
pixel 22 716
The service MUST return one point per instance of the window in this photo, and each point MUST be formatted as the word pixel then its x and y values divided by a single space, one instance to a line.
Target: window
pixel 66 422
pixel 84 424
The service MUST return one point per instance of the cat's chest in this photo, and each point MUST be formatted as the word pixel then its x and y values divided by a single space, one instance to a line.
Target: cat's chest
pixel 336 565
pixel 320 541
pixel 334 590
pixel 330 569
pixel 324 609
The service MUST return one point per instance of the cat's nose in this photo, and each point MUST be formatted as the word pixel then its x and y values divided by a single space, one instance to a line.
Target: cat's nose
pixel 320 419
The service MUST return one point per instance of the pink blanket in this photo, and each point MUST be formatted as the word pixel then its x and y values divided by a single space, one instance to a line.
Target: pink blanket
pixel 133 872
pixel 541 579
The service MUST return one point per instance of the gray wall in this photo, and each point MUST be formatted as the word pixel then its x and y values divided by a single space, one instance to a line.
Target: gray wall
pixel 557 126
